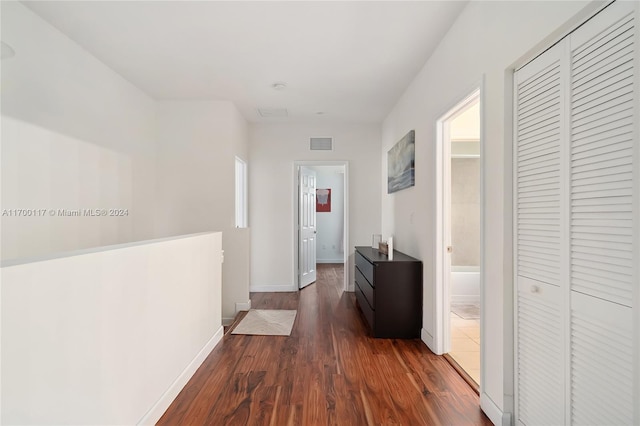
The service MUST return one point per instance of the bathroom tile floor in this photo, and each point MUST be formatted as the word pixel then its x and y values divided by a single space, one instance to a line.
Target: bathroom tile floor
pixel 465 344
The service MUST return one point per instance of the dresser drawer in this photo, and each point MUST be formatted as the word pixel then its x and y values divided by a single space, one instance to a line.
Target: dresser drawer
pixel 365 287
pixel 364 307
pixel 366 268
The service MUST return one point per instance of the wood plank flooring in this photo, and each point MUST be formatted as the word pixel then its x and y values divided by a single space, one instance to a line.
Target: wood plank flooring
pixel 328 372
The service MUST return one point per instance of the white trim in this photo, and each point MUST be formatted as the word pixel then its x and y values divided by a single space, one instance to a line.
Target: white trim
pixel 347 244
pixel 243 306
pixel 509 293
pixel 329 260
pixel 465 140
pixel 442 321
pixel 81 252
pixel 636 220
pixel 153 415
pixel 495 414
pixel 465 155
pixel 273 288
pixel 240 306
pixel 428 340
pixel 483 233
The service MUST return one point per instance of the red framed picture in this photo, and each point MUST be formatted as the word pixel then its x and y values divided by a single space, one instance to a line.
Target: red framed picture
pixel 323 200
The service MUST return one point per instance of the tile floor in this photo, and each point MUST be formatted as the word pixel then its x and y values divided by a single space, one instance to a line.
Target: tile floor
pixel 465 344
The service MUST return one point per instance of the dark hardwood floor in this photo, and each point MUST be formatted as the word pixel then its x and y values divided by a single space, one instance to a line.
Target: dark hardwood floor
pixel 328 372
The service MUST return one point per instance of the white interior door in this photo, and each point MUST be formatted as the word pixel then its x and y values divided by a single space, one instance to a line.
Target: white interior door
pixel 307 227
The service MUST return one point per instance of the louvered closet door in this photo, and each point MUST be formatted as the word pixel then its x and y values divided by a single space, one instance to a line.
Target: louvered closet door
pixel 602 218
pixel 576 225
pixel 540 104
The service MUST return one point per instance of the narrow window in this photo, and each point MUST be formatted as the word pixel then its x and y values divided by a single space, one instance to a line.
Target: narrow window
pixel 241 194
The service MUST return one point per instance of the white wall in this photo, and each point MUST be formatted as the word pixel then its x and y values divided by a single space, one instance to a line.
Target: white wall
pixel 108 335
pixel 484 43
pixel 329 225
pixel 197 145
pixel 273 150
pixel 74 135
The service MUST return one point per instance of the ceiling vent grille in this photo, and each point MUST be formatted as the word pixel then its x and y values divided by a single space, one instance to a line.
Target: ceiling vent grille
pixel 321 144
pixel 273 112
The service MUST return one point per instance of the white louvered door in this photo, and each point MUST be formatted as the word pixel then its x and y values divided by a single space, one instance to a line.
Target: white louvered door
pixel 540 106
pixel 576 220
pixel 602 210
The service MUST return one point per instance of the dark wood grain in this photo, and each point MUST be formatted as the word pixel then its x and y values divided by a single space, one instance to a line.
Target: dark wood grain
pixel 328 372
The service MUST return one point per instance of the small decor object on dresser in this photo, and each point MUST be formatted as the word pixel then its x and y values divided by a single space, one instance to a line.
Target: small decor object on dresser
pixel 383 248
pixel 389 293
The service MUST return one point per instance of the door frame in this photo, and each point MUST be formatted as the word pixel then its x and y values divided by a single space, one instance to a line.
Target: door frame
pixel 296 220
pixel 442 338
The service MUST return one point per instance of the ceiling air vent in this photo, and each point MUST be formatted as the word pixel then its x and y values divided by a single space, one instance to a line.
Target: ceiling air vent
pixel 321 144
pixel 273 112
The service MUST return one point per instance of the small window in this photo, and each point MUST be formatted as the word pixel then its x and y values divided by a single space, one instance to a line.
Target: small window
pixel 241 194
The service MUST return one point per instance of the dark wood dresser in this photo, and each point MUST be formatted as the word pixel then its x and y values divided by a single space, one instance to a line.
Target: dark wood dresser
pixel 389 293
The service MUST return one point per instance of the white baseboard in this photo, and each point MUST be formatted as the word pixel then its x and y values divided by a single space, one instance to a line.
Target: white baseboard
pixel 243 306
pixel 329 260
pixel 272 288
pixel 240 306
pixel 465 298
pixel 428 340
pixel 153 415
pixel 492 411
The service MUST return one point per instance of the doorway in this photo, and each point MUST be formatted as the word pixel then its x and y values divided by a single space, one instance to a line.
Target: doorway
pixel 459 243
pixel 330 221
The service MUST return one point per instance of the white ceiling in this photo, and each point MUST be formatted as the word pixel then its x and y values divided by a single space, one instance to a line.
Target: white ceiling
pixel 349 60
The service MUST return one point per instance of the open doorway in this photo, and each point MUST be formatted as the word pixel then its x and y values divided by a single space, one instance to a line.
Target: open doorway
pixel 460 240
pixel 330 219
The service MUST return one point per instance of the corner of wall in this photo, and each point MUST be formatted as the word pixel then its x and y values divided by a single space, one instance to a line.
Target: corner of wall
pixel 495 414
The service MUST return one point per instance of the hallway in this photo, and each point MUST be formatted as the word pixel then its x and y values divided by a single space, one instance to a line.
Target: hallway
pixel 328 372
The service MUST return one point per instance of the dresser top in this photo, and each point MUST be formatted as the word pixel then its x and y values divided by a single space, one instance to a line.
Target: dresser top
pixel 374 256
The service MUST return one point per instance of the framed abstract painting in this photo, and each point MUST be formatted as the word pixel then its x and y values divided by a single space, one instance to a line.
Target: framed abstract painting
pixel 401 164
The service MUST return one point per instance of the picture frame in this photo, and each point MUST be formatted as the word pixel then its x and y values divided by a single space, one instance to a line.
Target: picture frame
pixel 401 164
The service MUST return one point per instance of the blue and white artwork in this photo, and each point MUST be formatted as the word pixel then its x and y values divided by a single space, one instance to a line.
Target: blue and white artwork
pixel 401 164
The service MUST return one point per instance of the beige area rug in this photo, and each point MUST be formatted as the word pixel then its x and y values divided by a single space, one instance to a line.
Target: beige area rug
pixel 266 322
pixel 466 310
